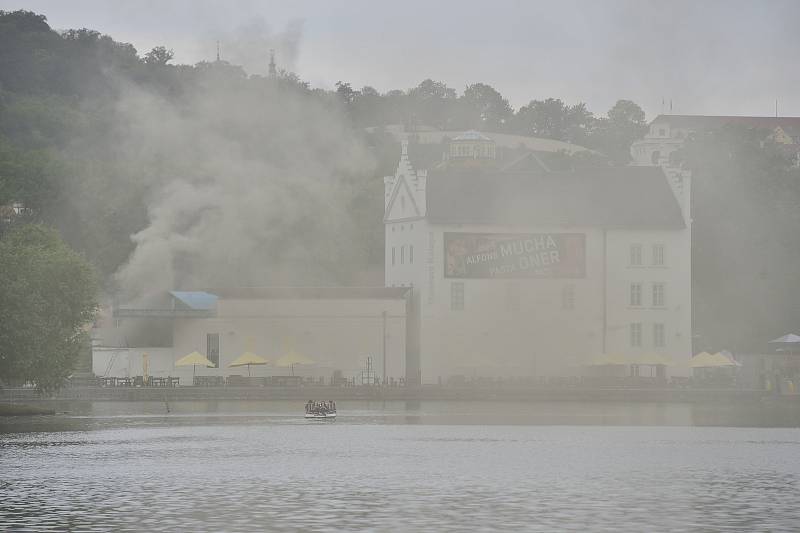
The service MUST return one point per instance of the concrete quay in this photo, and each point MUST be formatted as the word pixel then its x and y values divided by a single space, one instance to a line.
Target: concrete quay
pixel 424 393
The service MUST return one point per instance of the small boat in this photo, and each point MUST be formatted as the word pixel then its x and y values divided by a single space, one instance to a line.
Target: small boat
pixel 320 410
pixel 321 415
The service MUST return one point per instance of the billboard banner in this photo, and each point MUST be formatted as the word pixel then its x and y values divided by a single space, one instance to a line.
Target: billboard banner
pixel 518 255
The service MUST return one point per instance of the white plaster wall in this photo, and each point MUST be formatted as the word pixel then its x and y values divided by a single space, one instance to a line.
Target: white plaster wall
pixel 406 234
pixel 676 276
pixel 338 334
pixel 489 338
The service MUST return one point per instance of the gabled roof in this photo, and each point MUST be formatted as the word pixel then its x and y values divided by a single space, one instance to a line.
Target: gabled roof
pixel 700 122
pixel 615 197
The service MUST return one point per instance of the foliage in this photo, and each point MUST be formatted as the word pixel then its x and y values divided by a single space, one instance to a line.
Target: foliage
pixel 158 56
pixel 48 293
pixel 746 284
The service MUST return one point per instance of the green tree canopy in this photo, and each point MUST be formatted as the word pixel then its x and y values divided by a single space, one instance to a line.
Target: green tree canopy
pixel 158 56
pixel 48 293
pixel 487 107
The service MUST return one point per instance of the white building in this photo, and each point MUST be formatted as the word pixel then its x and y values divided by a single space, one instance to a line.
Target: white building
pixel 518 271
pixel 668 133
pixel 336 328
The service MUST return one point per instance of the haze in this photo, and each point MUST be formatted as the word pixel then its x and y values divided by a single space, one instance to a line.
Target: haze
pixel 711 57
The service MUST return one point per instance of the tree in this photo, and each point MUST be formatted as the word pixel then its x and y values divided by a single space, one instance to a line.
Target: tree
pixel 745 281
pixel 346 92
pixel 614 135
pixel 553 119
pixel 432 104
pixel 489 110
pixel 158 56
pixel 48 293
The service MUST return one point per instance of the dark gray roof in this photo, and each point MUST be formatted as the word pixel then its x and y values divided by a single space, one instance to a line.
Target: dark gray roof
pixel 317 293
pixel 614 197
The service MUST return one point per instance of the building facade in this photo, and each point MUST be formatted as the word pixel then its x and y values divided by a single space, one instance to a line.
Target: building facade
pixel 518 271
pixel 668 133
pixel 335 328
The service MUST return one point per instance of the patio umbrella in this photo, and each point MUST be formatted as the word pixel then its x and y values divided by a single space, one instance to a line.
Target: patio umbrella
pixel 707 360
pixel 293 358
pixel 729 356
pixel 247 359
pixel 194 359
pixel 790 338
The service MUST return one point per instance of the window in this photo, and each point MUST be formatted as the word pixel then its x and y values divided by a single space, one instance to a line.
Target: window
pixel 410 254
pixel 655 156
pixel 636 294
pixel 393 256
pixel 402 205
pixel 658 255
pixel 512 298
pixel 636 254
pixel 568 297
pixel 212 348
pixel 658 295
pixel 403 254
pixel 662 132
pixel 659 338
pixel 636 335
pixel 457 296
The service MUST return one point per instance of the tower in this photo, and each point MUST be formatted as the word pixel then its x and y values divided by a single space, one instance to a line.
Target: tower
pixel 273 71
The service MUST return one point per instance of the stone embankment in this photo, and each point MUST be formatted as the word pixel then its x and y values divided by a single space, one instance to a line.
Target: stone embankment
pixel 426 393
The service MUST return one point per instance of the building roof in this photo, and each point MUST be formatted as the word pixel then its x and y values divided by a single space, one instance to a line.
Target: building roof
pixel 471 135
pixel 699 122
pixel 316 293
pixel 614 197
pixel 198 300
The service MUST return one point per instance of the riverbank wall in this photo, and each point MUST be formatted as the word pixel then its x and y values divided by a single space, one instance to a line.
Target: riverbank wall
pixel 304 393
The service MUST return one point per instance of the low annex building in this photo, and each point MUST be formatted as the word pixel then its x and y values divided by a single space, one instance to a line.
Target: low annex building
pixel 517 270
pixel 336 328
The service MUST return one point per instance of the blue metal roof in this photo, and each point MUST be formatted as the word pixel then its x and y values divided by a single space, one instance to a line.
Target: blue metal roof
pixel 196 299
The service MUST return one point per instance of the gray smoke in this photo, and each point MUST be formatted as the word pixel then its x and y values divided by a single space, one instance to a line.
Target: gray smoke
pixel 250 45
pixel 251 187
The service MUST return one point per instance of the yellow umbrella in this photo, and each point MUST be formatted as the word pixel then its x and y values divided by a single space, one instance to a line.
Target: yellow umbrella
pixel 607 360
pixel 726 356
pixel 194 359
pixel 248 358
pixel 293 358
pixel 707 360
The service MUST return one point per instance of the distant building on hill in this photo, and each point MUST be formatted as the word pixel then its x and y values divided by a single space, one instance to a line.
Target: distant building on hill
pixel 518 270
pixel 668 133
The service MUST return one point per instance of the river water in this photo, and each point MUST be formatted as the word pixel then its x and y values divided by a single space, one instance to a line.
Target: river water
pixel 433 466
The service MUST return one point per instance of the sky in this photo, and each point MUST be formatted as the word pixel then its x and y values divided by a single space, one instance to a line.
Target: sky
pixel 706 57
